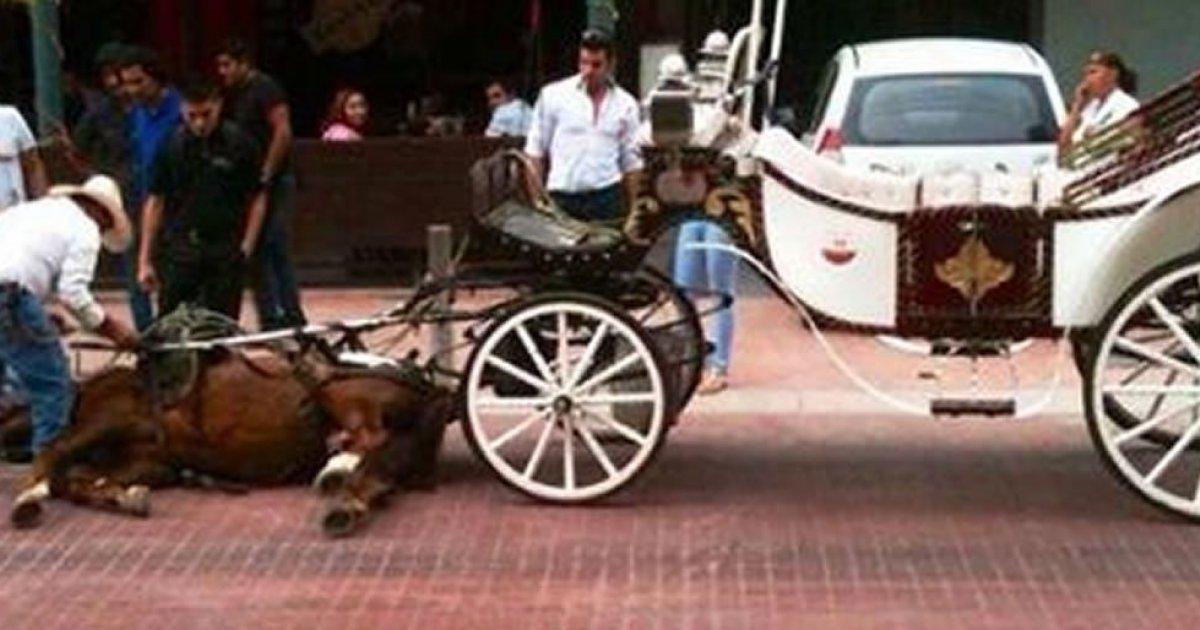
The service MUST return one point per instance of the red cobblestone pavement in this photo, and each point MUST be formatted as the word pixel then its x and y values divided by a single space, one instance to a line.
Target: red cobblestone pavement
pixel 849 520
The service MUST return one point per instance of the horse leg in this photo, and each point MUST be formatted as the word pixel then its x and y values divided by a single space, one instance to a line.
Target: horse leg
pixel 346 511
pixel 49 476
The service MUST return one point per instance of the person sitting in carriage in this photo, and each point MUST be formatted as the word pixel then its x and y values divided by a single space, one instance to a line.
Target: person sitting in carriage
pixel 48 248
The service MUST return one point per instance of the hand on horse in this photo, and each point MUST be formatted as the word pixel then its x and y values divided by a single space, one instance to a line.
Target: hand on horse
pixel 119 332
pixel 147 277
pixel 61 321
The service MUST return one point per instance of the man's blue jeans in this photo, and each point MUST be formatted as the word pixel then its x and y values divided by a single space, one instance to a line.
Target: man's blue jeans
pixel 712 271
pixel 29 345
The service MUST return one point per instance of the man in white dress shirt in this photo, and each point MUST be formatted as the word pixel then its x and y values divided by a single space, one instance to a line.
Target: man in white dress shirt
pixel 1100 99
pixel 585 127
pixel 49 248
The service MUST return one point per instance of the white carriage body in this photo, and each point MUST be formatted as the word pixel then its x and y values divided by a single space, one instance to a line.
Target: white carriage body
pixel 842 259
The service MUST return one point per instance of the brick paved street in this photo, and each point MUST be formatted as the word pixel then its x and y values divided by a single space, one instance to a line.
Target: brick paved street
pixel 791 501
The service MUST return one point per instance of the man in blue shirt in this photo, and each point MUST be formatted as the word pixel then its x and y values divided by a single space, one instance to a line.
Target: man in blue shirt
pixel 155 115
pixel 510 114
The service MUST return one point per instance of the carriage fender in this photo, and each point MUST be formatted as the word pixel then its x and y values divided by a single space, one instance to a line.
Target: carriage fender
pixel 1165 228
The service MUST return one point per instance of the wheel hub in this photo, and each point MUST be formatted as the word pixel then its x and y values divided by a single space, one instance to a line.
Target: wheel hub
pixel 563 405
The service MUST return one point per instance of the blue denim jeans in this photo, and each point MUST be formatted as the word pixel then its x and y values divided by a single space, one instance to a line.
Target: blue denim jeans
pixel 276 293
pixel 29 345
pixel 711 271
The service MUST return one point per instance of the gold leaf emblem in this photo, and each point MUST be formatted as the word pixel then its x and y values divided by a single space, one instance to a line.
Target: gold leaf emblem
pixel 973 271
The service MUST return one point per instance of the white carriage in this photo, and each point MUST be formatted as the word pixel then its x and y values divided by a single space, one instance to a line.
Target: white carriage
pixel 1104 256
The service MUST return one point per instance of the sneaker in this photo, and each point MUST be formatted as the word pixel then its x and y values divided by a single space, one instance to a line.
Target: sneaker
pixel 713 382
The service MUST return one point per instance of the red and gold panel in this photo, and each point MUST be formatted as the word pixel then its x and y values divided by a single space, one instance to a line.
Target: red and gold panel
pixel 977 271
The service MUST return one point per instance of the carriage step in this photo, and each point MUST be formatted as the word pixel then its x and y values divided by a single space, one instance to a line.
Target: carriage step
pixel 991 407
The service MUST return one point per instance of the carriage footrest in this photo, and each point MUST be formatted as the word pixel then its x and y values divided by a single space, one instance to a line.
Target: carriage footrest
pixel 991 407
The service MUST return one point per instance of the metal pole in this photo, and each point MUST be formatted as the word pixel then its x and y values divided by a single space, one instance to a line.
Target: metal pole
pixel 440 243
pixel 47 64
pixel 776 51
pixel 756 32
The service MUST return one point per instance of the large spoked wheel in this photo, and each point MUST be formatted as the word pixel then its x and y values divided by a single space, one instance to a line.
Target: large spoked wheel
pixel 565 398
pixel 1142 389
pixel 672 322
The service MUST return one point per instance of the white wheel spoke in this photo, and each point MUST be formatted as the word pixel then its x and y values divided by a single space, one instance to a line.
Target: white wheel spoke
pixel 617 399
pixel 535 354
pixel 519 429
pixel 1178 448
pixel 625 431
pixel 568 452
pixel 519 374
pixel 1145 427
pixel 597 450
pixel 1158 400
pixel 1153 390
pixel 1151 354
pixel 1172 322
pixel 563 348
pixel 535 458
pixel 585 361
pixel 608 373
pixel 515 403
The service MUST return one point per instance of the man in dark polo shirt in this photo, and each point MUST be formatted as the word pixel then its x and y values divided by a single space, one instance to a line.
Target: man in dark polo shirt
pixel 256 103
pixel 205 210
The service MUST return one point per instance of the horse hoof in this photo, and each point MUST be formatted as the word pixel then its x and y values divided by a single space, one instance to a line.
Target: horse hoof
pixel 331 481
pixel 135 500
pixel 340 521
pixel 336 473
pixel 26 514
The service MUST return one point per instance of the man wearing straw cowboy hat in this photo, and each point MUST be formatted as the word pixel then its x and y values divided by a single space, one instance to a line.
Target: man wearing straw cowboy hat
pixel 49 248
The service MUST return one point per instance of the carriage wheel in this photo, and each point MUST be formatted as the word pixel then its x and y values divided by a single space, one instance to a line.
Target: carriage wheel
pixel 1144 378
pixel 673 323
pixel 566 436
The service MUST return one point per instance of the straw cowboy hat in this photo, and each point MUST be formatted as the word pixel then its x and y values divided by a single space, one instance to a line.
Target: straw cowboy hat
pixel 105 192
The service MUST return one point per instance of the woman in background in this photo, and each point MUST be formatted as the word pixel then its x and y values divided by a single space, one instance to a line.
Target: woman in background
pixel 1102 97
pixel 347 118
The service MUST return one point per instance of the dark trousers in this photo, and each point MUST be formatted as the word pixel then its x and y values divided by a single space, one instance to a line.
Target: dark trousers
pixel 205 274
pixel 276 294
pixel 594 205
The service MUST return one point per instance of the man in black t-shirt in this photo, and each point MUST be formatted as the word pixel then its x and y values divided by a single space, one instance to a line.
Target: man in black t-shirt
pixel 256 103
pixel 205 210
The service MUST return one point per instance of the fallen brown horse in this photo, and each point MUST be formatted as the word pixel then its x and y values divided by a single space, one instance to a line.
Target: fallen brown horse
pixel 261 420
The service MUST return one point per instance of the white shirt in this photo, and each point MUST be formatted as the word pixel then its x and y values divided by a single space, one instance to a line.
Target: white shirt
pixel 50 246
pixel 1099 113
pixel 587 151
pixel 15 139
pixel 510 119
